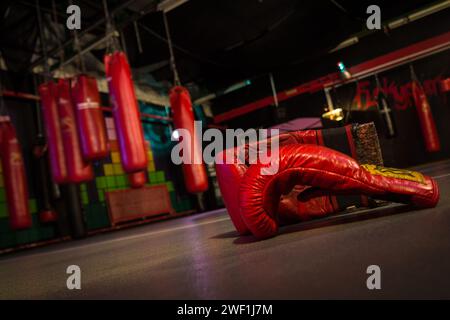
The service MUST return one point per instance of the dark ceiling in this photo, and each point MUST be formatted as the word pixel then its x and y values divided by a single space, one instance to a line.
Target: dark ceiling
pixel 217 42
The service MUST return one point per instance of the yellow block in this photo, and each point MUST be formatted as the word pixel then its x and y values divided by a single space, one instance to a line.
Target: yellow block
pixel 151 166
pixel 150 156
pixel 115 157
pixel 108 168
pixel 117 168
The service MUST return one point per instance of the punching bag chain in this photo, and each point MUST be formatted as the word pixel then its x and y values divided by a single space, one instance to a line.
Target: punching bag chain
pixel 3 110
pixel 47 73
pixel 172 56
pixel 77 46
pixel 377 80
pixel 274 90
pixel 112 44
pixel 138 36
pixel 413 73
pixel 37 105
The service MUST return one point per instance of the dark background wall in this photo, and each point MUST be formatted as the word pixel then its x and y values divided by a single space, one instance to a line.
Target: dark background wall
pixel 407 148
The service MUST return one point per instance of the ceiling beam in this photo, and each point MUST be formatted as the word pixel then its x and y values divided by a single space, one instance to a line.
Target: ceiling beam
pixel 169 5
pixel 101 21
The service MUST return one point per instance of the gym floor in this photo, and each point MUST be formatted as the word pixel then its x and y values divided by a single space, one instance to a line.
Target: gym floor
pixel 202 257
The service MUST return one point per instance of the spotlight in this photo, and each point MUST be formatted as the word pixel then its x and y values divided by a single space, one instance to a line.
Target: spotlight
pixel 331 113
pixel 175 135
pixel 334 115
pixel 345 74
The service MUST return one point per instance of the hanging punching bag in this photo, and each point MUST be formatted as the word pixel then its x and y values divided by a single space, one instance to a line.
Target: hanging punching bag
pixel 195 177
pixel 137 179
pixel 386 115
pixel 125 113
pixel 426 119
pixel 46 213
pixel 385 111
pixel 90 120
pixel 445 85
pixel 14 177
pixel 77 169
pixel 48 94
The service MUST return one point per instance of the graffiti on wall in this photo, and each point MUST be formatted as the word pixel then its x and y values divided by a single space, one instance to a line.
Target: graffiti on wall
pixel 400 94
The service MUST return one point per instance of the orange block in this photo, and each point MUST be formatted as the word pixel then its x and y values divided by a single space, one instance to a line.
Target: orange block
pixel 114 145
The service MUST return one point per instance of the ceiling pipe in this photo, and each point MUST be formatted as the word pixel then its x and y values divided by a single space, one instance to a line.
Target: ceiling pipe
pixel 219 93
pixel 169 5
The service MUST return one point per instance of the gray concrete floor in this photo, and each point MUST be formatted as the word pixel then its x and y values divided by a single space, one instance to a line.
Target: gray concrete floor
pixel 201 257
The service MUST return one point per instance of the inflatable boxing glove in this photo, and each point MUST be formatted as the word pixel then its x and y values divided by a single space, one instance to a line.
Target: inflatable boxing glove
pixel 359 141
pixel 325 171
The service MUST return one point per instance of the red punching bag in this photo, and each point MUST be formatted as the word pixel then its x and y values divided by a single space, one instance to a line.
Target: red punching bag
pixel 426 119
pixel 14 177
pixel 48 94
pixel 77 169
pixel 46 213
pixel 137 179
pixel 48 216
pixel 125 113
pixel 445 85
pixel 195 177
pixel 90 120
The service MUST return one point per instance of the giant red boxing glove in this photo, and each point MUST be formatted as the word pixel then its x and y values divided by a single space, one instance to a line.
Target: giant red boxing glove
pixel 344 139
pixel 326 171
pixel 15 177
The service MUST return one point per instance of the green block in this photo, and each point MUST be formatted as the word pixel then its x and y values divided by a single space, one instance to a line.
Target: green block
pixel 4 225
pixel 100 182
pixel 121 181
pixel 7 239
pixel 3 210
pixel 186 204
pixel 46 232
pixel 84 198
pixel 97 216
pixel 22 236
pixel 160 176
pixel 110 181
pixel 152 177
pixel 83 187
pixel 2 195
pixel 32 205
pixel 101 195
pixel 90 216
pixel 103 216
pixel 169 185
pixel 33 233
